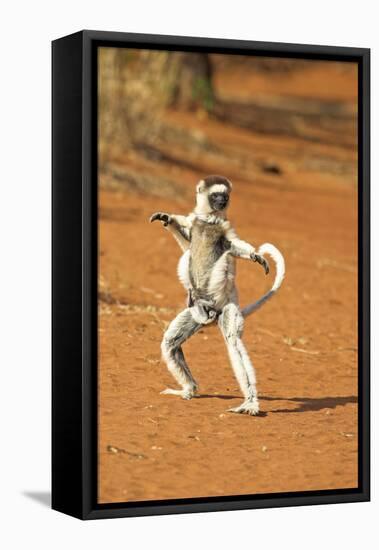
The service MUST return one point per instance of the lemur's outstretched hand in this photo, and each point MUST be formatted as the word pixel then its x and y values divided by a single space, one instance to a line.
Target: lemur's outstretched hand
pixel 162 217
pixel 261 260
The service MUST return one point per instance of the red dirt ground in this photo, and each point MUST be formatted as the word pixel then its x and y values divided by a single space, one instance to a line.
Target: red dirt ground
pixel 303 345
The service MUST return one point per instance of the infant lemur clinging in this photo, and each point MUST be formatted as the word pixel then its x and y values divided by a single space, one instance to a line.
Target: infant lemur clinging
pixel 207 271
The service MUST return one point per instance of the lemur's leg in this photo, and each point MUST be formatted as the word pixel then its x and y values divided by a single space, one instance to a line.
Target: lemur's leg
pixel 231 325
pixel 221 280
pixel 179 330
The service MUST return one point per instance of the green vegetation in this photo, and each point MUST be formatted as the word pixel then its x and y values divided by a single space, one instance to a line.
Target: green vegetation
pixel 202 93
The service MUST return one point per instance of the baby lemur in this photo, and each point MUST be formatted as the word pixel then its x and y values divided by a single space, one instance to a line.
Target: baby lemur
pixel 207 271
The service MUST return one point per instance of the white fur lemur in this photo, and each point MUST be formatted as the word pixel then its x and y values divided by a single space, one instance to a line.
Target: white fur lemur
pixel 207 271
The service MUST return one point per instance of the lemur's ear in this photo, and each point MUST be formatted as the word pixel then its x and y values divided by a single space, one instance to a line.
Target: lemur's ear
pixel 200 186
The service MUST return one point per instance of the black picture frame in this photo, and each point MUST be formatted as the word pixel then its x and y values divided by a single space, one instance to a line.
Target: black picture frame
pixel 74 273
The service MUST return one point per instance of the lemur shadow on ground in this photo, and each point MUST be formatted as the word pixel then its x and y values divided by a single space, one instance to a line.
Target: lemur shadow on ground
pixel 311 403
pixel 305 403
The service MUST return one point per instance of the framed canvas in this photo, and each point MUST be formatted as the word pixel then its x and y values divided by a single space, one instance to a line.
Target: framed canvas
pixel 214 154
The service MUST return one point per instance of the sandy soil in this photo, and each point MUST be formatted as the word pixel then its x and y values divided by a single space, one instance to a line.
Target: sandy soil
pixel 303 345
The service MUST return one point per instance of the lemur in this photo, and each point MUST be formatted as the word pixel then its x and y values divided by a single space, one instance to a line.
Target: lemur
pixel 207 271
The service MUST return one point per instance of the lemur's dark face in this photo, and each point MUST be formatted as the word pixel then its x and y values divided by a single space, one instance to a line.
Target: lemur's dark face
pixel 213 193
pixel 218 200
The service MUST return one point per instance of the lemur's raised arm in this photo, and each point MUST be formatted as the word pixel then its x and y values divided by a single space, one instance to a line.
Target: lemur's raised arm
pixel 242 249
pixel 179 226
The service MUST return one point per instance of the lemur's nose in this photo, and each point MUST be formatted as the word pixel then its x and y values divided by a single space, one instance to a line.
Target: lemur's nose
pixel 220 199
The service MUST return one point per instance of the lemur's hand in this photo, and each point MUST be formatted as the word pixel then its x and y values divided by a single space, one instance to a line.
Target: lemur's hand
pixel 162 217
pixel 261 260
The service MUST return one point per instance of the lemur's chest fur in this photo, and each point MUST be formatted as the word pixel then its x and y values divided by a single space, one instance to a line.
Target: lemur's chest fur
pixel 208 243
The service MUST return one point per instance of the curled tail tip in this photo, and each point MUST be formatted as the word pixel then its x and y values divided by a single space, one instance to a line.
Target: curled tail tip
pixel 276 255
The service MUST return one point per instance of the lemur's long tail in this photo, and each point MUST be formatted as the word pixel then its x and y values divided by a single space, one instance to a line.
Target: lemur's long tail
pixel 272 251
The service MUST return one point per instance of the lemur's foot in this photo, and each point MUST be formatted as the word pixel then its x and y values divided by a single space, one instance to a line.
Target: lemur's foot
pixel 261 260
pixel 184 394
pixel 162 217
pixel 247 407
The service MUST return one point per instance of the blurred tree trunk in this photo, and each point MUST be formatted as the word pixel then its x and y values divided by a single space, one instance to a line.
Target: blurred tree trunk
pixel 135 86
pixel 193 87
